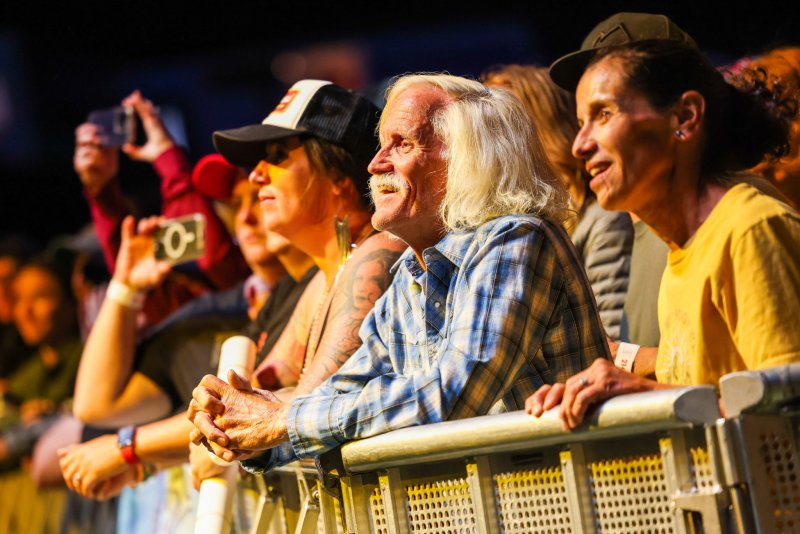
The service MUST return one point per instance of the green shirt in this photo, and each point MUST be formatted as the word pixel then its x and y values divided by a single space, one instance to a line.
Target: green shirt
pixel 34 380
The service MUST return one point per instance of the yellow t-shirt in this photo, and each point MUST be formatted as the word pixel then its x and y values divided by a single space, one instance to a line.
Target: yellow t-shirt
pixel 730 300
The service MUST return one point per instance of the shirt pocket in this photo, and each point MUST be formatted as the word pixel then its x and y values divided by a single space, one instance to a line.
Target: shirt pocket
pixel 406 352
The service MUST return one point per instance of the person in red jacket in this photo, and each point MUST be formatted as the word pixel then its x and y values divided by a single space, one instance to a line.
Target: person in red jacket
pixel 222 265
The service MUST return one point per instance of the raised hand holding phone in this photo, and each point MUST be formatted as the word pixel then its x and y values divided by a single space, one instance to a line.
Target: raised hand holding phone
pixel 116 126
pixel 180 240
pixel 158 139
pixel 136 265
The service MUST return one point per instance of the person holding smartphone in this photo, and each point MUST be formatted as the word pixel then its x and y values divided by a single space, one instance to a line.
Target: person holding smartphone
pixel 121 384
pixel 321 207
pixel 222 265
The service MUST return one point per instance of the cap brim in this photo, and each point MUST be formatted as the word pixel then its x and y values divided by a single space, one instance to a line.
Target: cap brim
pixel 245 146
pixel 567 70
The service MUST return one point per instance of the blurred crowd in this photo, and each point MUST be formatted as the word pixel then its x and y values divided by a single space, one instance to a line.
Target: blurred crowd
pixel 544 238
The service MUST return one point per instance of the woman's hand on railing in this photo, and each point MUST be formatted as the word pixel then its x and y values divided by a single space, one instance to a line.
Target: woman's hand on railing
pixel 95 469
pixel 600 381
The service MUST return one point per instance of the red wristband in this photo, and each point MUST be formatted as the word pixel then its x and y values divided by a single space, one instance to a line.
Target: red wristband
pixel 126 441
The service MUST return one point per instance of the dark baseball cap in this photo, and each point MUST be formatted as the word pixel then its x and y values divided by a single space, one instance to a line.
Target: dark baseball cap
pixel 310 107
pixel 618 29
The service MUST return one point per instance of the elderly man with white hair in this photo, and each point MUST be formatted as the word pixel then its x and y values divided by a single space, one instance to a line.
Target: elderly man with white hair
pixel 488 303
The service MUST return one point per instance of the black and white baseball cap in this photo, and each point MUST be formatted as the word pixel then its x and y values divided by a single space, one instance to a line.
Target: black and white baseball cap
pixel 310 108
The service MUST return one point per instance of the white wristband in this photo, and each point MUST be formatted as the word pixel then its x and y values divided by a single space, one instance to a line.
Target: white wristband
pixel 125 295
pixel 626 354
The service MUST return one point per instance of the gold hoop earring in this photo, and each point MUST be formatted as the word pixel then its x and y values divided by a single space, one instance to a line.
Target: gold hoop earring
pixel 343 238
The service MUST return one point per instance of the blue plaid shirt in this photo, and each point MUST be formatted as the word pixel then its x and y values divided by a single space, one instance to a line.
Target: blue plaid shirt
pixel 500 311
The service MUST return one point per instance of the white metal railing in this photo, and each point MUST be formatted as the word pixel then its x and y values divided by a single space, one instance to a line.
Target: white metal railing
pixel 621 472
pixel 620 416
pixel 662 461
pixel 761 431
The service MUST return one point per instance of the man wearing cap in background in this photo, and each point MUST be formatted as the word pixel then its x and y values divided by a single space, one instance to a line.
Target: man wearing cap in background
pixel 489 302
pixel 221 266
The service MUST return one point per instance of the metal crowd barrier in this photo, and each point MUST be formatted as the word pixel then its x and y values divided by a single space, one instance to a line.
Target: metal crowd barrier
pixel 662 462
pixel 762 433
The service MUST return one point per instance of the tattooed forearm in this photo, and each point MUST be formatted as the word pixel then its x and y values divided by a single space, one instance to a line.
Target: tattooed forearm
pixel 362 283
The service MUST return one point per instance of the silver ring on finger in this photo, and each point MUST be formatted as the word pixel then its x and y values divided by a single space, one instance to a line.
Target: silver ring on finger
pixel 583 382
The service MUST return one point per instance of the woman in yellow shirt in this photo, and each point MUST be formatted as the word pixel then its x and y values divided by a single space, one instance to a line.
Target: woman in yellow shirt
pixel 664 135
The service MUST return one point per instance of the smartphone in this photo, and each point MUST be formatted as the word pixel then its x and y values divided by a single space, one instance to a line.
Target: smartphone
pixel 117 125
pixel 181 240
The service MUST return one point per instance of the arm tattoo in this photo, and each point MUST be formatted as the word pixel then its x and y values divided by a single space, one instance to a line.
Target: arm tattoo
pixel 362 283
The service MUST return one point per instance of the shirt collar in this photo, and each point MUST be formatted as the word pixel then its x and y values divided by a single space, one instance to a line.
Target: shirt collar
pixel 254 287
pixel 452 247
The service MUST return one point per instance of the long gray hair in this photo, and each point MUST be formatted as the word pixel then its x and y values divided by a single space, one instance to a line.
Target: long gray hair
pixel 496 165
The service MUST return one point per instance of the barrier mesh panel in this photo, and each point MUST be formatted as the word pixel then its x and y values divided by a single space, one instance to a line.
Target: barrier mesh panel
pixel 780 461
pixel 378 513
pixel 441 507
pixel 532 501
pixel 337 513
pixel 701 469
pixel 630 495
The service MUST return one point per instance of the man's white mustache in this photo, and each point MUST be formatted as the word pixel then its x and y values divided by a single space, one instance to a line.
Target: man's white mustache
pixel 386 181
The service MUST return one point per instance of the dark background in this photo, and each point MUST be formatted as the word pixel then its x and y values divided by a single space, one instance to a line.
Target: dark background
pixel 219 65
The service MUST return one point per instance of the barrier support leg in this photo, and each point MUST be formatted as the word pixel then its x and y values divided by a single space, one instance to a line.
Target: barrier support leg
pixel 579 494
pixel 479 474
pixel 355 499
pixel 394 500
pixel 710 505
pixel 268 518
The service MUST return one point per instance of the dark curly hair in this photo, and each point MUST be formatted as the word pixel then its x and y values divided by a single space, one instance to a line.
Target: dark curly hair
pixel 745 118
pixel 777 73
